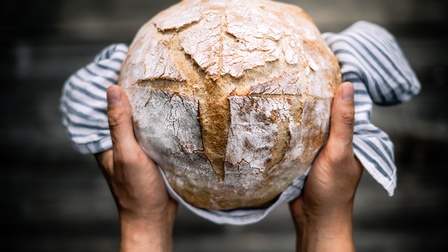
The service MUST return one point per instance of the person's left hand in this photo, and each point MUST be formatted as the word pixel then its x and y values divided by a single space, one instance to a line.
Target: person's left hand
pixel 146 211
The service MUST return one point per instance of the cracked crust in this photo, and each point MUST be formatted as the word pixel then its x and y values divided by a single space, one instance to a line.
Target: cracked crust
pixel 231 98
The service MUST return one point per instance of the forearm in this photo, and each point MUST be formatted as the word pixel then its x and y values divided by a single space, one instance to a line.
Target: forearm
pixel 141 235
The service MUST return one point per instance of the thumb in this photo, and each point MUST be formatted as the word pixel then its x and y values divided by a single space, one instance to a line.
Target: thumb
pixel 119 115
pixel 342 118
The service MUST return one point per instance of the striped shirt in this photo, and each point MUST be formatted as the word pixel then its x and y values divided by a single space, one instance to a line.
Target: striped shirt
pixel 369 57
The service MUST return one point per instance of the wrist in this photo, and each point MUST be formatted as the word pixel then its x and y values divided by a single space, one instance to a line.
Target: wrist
pixel 144 234
pixel 326 233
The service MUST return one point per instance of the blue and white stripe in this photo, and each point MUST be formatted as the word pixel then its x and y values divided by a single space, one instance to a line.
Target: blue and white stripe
pixel 369 57
pixel 84 104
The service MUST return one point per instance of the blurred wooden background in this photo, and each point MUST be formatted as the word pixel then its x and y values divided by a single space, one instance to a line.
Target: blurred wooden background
pixel 54 199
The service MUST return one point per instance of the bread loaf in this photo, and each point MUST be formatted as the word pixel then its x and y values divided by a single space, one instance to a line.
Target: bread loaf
pixel 231 98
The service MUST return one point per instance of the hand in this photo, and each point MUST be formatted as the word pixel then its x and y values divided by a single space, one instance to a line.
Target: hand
pixel 323 213
pixel 146 211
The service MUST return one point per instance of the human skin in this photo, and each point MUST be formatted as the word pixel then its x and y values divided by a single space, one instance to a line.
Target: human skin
pixel 146 211
pixel 323 213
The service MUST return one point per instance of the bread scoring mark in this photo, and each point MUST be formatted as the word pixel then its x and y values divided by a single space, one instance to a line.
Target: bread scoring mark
pixel 213 113
pixel 282 142
pixel 214 117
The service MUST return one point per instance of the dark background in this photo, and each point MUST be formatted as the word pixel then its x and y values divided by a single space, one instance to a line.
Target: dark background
pixel 54 199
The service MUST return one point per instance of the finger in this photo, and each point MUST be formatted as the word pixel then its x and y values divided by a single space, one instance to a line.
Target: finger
pixel 342 118
pixel 119 115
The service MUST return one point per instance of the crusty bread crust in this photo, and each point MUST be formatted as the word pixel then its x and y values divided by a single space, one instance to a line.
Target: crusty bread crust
pixel 230 98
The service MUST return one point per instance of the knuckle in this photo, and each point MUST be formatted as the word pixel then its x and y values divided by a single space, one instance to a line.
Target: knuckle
pixel 115 119
pixel 334 156
pixel 348 118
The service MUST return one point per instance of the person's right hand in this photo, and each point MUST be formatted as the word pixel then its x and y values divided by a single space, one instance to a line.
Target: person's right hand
pixel 323 213
pixel 146 211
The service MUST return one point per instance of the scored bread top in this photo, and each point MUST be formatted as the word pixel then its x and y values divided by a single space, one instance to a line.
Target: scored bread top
pixel 230 98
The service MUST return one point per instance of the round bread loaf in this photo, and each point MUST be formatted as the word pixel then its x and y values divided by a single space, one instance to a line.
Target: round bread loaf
pixel 231 98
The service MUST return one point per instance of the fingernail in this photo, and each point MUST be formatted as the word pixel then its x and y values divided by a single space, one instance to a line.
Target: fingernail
pixel 347 94
pixel 113 96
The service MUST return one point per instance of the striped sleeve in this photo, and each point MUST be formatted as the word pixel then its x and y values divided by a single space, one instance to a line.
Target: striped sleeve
pixel 83 101
pixel 371 59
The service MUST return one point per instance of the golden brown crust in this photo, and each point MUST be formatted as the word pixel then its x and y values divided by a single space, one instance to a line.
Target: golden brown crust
pixel 231 98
